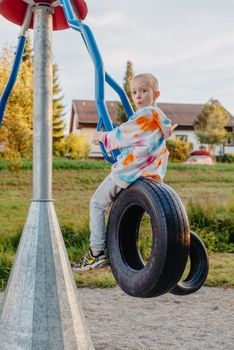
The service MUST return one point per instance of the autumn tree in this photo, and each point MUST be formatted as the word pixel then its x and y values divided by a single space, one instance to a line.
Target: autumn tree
pixel 16 130
pixel 28 51
pixel 210 124
pixel 121 114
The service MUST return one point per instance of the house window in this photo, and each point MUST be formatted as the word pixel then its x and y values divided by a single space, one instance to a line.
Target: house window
pixel 182 137
pixel 230 141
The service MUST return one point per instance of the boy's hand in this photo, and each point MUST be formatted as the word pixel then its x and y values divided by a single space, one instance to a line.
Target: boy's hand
pixel 173 128
pixel 97 136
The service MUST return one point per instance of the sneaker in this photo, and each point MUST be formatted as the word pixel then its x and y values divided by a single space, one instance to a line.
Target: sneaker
pixel 90 262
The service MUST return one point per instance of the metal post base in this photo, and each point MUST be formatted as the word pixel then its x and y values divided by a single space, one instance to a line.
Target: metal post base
pixel 40 310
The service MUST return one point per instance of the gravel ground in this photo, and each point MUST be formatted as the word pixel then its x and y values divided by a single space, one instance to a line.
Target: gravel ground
pixel 201 321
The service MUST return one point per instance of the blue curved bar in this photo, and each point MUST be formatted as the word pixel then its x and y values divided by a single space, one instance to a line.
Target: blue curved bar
pixel 13 76
pixel 110 159
pixel 100 76
pixel 122 94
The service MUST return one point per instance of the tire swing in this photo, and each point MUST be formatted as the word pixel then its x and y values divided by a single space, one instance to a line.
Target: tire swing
pixel 170 239
pixel 198 270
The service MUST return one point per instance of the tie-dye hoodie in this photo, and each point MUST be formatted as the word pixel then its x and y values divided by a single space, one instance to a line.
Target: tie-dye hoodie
pixel 142 140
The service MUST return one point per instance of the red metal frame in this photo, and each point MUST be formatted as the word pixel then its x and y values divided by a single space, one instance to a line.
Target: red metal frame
pixel 15 12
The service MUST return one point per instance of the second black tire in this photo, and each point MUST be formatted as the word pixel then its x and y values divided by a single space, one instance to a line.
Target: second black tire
pixel 199 267
pixel 170 243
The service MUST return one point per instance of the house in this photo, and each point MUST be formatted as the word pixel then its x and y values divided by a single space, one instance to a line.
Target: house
pixel 84 120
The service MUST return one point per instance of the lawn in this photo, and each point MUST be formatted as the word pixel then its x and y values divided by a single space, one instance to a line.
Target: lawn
pixel 73 185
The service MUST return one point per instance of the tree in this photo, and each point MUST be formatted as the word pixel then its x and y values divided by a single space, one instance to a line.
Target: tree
pixel 28 51
pixel 121 114
pixel 210 124
pixel 16 131
pixel 58 112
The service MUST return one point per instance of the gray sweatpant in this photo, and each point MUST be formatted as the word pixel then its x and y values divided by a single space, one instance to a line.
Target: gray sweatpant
pixel 99 203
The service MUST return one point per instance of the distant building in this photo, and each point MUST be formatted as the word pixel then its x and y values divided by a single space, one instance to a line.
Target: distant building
pixel 84 121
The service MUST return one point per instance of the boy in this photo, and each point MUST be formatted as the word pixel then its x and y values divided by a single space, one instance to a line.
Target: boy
pixel 143 153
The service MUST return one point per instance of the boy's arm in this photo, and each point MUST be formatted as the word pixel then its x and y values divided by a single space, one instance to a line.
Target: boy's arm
pixel 97 136
pixel 120 137
pixel 132 131
pixel 164 123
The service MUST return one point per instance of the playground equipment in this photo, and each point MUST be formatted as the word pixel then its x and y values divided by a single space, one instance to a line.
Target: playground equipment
pixel 170 243
pixel 198 270
pixel 40 308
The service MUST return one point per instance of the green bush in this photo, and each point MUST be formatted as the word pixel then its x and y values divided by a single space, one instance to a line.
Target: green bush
pixel 73 146
pixel 76 146
pixel 179 149
pixel 4 164
pixel 214 224
pixel 225 158
pixel 76 241
pixel 9 243
pixel 6 262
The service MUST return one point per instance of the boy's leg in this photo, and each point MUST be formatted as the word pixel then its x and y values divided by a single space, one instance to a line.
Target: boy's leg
pixel 99 203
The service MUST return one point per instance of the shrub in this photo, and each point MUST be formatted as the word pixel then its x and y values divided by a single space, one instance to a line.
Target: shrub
pixel 9 243
pixel 6 262
pixel 76 146
pixel 225 158
pixel 13 159
pixel 214 224
pixel 179 149
pixel 76 241
pixel 59 148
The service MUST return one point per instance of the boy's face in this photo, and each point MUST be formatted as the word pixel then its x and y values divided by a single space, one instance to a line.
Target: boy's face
pixel 142 93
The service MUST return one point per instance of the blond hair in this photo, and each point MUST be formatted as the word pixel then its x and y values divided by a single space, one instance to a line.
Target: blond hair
pixel 150 78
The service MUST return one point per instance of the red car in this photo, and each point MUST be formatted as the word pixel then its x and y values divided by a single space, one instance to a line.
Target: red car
pixel 206 160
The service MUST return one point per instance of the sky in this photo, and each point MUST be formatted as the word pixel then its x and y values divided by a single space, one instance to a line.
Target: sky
pixel 188 45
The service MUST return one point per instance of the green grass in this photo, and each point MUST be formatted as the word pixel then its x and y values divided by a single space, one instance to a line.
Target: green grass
pixel 207 168
pixel 73 184
pixel 60 163
pixel 102 278
pixel 221 273
pixel 64 163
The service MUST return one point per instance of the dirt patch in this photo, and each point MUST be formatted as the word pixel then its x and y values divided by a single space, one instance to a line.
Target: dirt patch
pixel 117 321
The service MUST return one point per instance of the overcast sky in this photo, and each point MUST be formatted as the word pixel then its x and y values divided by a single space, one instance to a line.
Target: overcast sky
pixel 188 45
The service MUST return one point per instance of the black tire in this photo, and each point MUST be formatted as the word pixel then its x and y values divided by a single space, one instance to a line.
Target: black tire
pixel 172 195
pixel 199 267
pixel 170 246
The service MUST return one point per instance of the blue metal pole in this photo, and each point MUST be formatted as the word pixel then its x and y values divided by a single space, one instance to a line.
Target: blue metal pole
pixel 16 63
pixel 100 76
pixel 13 76
pixel 122 94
